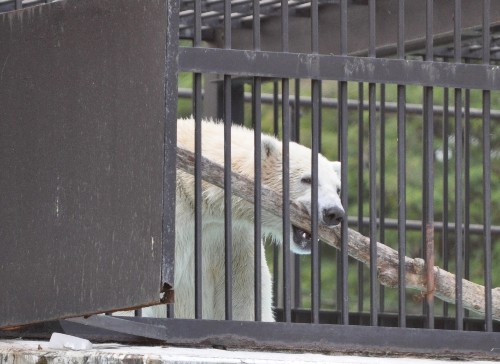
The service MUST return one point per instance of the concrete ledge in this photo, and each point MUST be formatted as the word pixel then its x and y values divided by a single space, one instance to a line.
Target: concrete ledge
pixel 20 351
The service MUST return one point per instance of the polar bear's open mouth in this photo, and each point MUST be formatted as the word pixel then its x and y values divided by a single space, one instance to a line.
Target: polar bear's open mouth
pixel 302 239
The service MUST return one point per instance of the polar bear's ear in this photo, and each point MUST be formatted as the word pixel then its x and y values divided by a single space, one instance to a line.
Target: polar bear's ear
pixel 270 146
pixel 336 167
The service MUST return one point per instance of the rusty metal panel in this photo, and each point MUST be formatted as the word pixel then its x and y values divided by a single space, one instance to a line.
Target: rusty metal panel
pixel 82 100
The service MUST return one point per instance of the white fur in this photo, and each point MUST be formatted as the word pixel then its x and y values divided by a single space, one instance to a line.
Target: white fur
pixel 242 221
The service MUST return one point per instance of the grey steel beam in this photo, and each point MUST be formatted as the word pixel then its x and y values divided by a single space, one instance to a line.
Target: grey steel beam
pixel 342 68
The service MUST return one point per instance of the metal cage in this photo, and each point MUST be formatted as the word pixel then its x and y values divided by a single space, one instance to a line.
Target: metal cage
pixel 407 106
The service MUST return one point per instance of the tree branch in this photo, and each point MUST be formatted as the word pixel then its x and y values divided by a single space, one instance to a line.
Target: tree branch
pixel 358 245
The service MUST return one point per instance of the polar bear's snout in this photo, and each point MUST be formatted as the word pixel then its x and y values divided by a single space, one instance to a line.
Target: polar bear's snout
pixel 333 215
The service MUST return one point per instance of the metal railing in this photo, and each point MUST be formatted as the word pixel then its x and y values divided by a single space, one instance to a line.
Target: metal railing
pixel 374 78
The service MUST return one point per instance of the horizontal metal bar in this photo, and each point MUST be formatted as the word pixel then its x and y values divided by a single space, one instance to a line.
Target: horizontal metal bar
pixel 124 326
pixel 342 68
pixel 157 328
pixel 417 225
pixel 386 319
pixel 301 336
pixel 410 109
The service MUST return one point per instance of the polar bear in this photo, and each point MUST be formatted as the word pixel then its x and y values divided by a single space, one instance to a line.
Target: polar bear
pixel 213 277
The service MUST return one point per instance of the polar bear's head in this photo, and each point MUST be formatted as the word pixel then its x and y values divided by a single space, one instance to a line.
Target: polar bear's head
pixel 330 209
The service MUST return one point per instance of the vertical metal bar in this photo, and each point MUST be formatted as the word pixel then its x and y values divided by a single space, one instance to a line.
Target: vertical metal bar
pixel 227 198
pixel 284 26
pixel 429 30
pixel 446 192
pixel 374 285
pixel 382 184
pixel 286 132
pixel 276 248
pixel 228 258
pixel 297 110
pixel 429 205
pixel 295 262
pixel 458 210
pixel 320 117
pixel 372 100
pixel 19 4
pixel 286 197
pixel 457 30
pixel 170 311
pixel 320 150
pixel 401 146
pixel 238 103
pixel 256 116
pixel 257 125
pixel 372 28
pixel 343 152
pixel 197 105
pixel 297 284
pixel 459 314
pixel 361 165
pixel 170 147
pixel 314 27
pixel 256 25
pixel 487 174
pixel 276 108
pixel 315 296
pixel 227 25
pixel 467 195
pixel 428 174
pixel 487 211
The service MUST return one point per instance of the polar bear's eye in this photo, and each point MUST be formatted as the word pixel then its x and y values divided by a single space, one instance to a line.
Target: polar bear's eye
pixel 338 191
pixel 306 180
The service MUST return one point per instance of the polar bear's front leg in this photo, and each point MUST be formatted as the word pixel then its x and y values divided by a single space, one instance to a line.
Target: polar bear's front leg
pixel 266 291
pixel 244 279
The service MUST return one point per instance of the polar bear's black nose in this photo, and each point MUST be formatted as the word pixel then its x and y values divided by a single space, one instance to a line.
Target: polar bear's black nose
pixel 333 215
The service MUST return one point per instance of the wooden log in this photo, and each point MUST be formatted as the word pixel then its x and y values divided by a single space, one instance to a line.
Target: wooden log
pixel 358 245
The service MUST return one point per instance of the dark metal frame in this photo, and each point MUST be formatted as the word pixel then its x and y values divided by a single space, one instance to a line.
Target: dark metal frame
pixel 281 66
pixel 254 64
